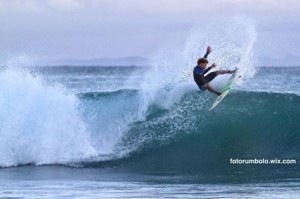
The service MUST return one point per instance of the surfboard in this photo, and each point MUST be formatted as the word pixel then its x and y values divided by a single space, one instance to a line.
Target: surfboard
pixel 225 90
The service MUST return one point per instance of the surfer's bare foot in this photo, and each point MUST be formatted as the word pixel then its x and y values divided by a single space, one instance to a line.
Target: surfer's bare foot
pixel 218 93
pixel 232 71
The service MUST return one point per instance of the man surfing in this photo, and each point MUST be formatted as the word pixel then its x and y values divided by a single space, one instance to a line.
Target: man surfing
pixel 201 69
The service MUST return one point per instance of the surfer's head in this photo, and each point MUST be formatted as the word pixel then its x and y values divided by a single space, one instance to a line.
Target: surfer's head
pixel 202 62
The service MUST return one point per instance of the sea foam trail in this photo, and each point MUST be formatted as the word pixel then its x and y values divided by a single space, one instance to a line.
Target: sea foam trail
pixel 39 124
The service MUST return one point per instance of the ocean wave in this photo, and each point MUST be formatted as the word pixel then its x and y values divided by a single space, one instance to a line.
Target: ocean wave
pixel 176 131
pixel 188 137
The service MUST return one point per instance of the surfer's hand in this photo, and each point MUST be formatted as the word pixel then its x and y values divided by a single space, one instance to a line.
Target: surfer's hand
pixel 213 65
pixel 208 49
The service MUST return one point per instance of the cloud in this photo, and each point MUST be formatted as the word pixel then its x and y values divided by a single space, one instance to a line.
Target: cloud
pixel 70 24
pixel 37 6
pixel 19 6
pixel 65 5
pixel 275 7
pixel 153 8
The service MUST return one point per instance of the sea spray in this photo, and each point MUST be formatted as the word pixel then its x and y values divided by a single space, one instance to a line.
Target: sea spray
pixel 170 77
pixel 39 124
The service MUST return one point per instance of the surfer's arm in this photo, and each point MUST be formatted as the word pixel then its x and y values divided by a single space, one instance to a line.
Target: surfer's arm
pixel 206 54
pixel 208 68
pixel 207 51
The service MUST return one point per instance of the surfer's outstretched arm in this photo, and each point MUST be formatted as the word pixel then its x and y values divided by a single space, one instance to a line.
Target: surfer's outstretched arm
pixel 208 68
pixel 207 51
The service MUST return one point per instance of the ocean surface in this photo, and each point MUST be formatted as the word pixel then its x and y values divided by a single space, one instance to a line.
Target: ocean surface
pixel 141 132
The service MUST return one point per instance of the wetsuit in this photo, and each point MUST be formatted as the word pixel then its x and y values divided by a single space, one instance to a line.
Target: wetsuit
pixel 199 77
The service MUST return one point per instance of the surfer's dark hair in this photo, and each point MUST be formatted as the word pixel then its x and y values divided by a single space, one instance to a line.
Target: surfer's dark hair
pixel 202 60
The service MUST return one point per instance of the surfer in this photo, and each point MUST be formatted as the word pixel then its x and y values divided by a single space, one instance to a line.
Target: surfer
pixel 201 69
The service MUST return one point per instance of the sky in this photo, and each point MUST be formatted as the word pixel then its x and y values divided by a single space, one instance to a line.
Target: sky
pixel 87 29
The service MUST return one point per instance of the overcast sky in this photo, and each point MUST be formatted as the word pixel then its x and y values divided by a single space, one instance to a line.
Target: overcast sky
pixel 117 28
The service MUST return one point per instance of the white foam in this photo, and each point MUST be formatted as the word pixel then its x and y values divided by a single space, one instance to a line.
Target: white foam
pixel 39 124
pixel 232 41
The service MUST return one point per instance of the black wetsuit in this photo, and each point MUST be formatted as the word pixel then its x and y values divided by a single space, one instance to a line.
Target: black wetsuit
pixel 199 77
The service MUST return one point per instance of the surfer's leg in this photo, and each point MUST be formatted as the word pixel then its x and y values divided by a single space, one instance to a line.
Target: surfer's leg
pixel 221 72
pixel 210 76
pixel 206 85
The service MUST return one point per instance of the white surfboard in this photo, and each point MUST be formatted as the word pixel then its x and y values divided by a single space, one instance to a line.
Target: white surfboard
pixel 225 90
